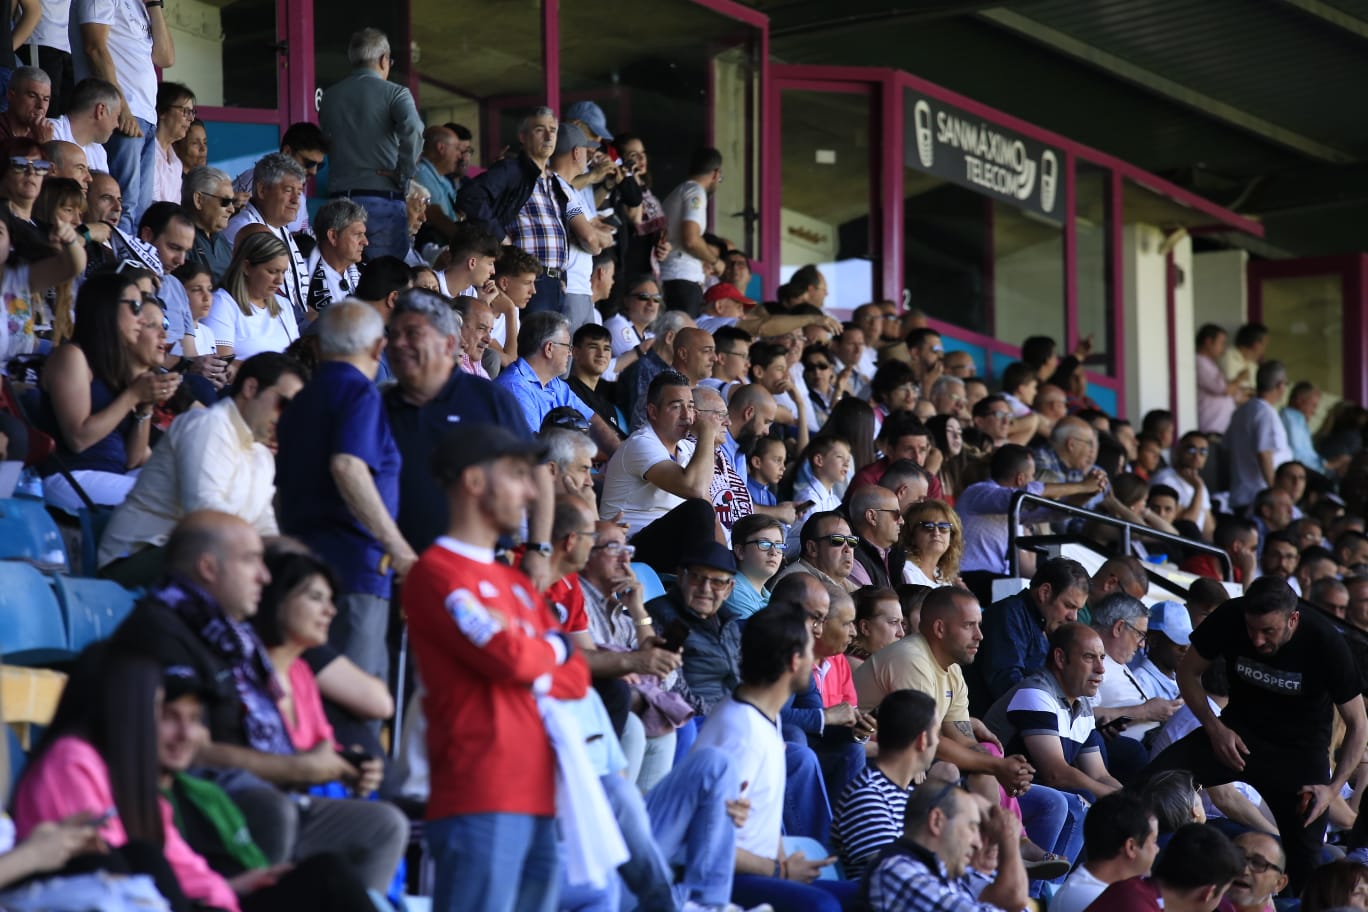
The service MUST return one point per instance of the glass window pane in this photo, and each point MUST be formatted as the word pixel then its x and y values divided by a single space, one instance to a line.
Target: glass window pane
pixel 1305 320
pixel 826 213
pixel 1092 205
pixel 226 52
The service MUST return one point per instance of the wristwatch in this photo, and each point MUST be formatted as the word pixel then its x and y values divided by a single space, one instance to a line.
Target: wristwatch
pixel 542 548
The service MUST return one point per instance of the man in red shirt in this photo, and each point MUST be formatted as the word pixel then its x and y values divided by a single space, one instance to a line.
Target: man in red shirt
pixel 487 646
pixel 1192 875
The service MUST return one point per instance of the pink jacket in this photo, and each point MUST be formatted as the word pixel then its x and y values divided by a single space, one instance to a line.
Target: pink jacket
pixel 72 778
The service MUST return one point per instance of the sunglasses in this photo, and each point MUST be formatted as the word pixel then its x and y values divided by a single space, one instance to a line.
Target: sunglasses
pixel 927 525
pixel 768 546
pixel 311 164
pixel 1197 451
pixel 837 541
pixel 818 366
pixel 223 201
pixel 642 296
pixel 21 165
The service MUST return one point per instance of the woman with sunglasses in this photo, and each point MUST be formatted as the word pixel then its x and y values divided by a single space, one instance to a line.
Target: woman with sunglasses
pixel 207 194
pixel 247 315
pixel 23 179
pixel 98 392
pixel 631 329
pixel 820 377
pixel 934 542
pixel 758 543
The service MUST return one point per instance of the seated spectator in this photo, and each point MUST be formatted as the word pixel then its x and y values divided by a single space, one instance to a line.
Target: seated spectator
pixel 728 493
pixel 1071 458
pixel 828 550
pixel 947 395
pixel 766 460
pixel 1166 642
pixel 947 432
pixel 908 482
pixel 1291 477
pixel 1335 886
pixel 893 389
pixel 220 458
pixel 1047 716
pixel 659 481
pixel 1272 511
pixel 1279 558
pixel 775 662
pixel 217 830
pixel 515 275
pixel 631 328
pixel 935 544
pixel 22 180
pixel 304 144
pixel 382 280
pixel 193 148
pixel 878 623
pixel 983 507
pixel 535 378
pixel 591 359
pixel 822 467
pixel 417 199
pixel 338 473
pixel 98 393
pixel 1072 377
pixel 1331 596
pixel 333 267
pixel 1121 841
pixel 175 113
pixel 733 359
pixel 901 437
pixel 61 200
pixel 277 201
pixel 198 618
pixel 1239 539
pixel 1256 439
pixel 758 545
pixel 248 315
pixel 941 834
pixel 1019 385
pixel 823 385
pixel 1184 476
pixel 869 814
pixel 207 194
pixel 28 268
pixel 198 283
pixel 1191 875
pixel 1263 878
pixel 1122 623
pixel 769 369
pixel 467 266
pixel 693 613
pixel 168 231
pixel 878 521
pixel 570 460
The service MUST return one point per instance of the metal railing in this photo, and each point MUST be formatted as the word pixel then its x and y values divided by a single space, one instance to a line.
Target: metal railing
pixel 1128 529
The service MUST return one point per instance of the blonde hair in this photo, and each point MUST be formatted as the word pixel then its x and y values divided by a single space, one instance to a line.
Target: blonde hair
pixel 253 250
pixel 936 511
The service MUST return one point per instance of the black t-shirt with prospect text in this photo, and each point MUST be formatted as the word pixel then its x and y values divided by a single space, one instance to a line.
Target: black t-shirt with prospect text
pixel 1288 698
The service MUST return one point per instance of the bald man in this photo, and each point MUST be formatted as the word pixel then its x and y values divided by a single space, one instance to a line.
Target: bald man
pixel 69 160
pixel 441 151
pixel 1262 878
pixel 876 518
pixel 695 353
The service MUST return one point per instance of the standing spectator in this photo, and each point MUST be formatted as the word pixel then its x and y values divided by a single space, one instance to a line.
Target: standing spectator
pixel 91 119
pixel 124 46
pixel 175 113
pixel 1257 440
pixel 304 143
pixel 50 50
pixel 1301 407
pixel 686 211
pixel 341 229
pixel 464 146
pixel 27 96
pixel 1240 362
pixel 539 226
pixel 649 241
pixel 1192 875
pixel 374 132
pixel 1121 840
pixel 277 197
pixel 488 652
pixel 247 315
pixel 1287 670
pixel 493 199
pixel 1217 396
pixel 207 194
pixel 441 153
pixel 339 476
pixel 585 236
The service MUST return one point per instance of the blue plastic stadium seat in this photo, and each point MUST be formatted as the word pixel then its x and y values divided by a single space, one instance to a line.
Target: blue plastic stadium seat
pixel 811 849
pixel 651 586
pixel 27 532
pixel 91 608
pixel 31 627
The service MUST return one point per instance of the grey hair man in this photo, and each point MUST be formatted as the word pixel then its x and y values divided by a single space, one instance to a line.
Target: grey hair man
pixel 340 227
pixel 375 134
pixel 493 199
pixel 571 455
pixel 28 95
pixel 1123 624
pixel 91 118
pixel 277 193
pixel 948 396
pixel 338 474
pixel 637 378
pixel 207 194
pixel 1256 439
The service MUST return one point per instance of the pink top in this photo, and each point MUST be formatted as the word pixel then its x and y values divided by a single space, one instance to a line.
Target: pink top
pixel 72 778
pixel 836 683
pixel 310 724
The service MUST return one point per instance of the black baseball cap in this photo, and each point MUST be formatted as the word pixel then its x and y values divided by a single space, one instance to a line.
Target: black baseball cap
pixel 467 445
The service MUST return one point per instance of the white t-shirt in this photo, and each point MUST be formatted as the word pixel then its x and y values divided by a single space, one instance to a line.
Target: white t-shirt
pixel 1120 688
pixel 625 337
pixel 51 30
pixel 204 339
pixel 686 203
pixel 248 335
pixel 1169 476
pixel 756 750
pixel 1078 892
pixel 579 263
pixel 96 158
pixel 625 486
pixel 130 45
pixel 469 291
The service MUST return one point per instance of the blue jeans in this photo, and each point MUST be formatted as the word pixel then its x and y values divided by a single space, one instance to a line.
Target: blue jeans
pixel 494 863
pixel 550 295
pixel 132 162
pixel 688 817
pixel 1054 820
pixel 386 226
pixel 788 896
pixel 807 812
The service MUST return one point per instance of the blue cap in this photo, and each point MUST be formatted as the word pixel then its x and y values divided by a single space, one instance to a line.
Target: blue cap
pixel 591 115
pixel 1172 620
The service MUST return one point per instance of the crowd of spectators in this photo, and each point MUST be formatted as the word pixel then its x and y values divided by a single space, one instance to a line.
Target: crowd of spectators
pixel 694 600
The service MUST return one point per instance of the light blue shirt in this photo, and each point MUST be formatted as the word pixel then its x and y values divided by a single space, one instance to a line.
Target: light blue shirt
pixel 745 599
pixel 983 509
pixel 1299 439
pixel 1155 682
pixel 442 190
pixel 733 451
pixel 181 321
pixel 537 400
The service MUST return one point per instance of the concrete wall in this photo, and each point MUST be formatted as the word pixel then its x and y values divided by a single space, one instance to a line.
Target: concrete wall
pixel 1220 280
pixel 197 31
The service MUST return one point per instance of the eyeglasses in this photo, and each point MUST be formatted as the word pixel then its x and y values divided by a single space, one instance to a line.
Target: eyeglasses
pixel 1140 635
pixel 927 525
pixel 1258 864
pixel 1197 451
pixel 1000 415
pixel 837 541
pixel 562 344
pixel 738 354
pixel 21 165
pixel 715 583
pixel 897 514
pixel 817 620
pixel 186 111
pixel 311 164
pixel 592 533
pixel 615 547
pixel 642 296
pixel 822 366
pixel 767 546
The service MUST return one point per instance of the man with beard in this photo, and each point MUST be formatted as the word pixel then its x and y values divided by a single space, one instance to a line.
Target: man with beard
pixel 1286 671
pixel 751 412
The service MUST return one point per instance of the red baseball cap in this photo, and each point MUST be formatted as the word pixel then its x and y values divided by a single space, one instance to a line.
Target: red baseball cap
pixel 725 291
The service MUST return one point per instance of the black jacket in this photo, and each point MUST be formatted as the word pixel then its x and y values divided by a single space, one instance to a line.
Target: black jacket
pixel 493 199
